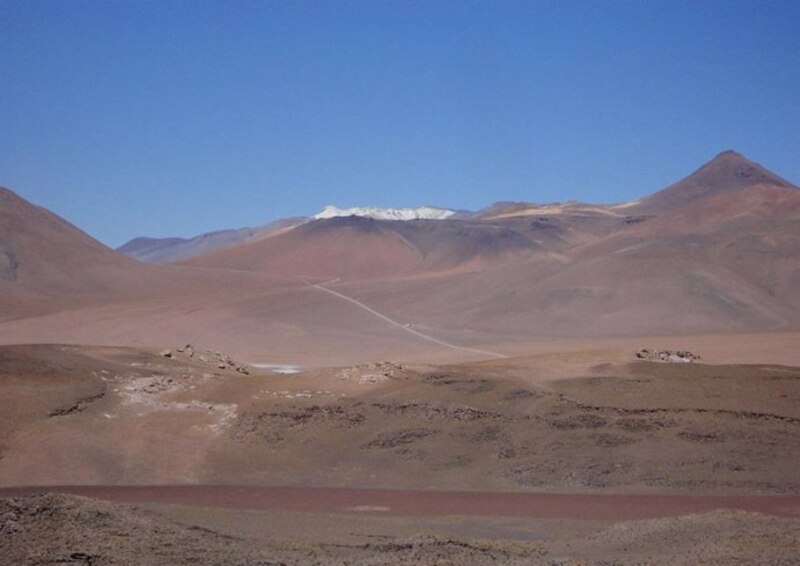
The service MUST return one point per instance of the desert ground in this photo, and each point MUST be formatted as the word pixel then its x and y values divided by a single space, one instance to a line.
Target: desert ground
pixel 572 454
pixel 361 390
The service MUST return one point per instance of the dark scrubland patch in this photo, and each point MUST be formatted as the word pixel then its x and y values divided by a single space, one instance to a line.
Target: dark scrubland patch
pixel 540 474
pixel 517 450
pixel 429 549
pixel 436 412
pixel 578 421
pixel 607 440
pixel 485 434
pixel 274 426
pixel 454 462
pixel 698 436
pixel 60 529
pixel 468 385
pixel 400 437
pixel 51 529
pixel 78 406
pixel 746 390
pixel 526 437
pixel 519 393
pixel 719 537
pixel 412 454
pixel 639 424
pixel 784 377
pixel 440 379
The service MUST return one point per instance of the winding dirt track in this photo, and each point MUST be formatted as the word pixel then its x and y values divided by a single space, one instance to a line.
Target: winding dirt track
pixel 430 503
pixel 417 333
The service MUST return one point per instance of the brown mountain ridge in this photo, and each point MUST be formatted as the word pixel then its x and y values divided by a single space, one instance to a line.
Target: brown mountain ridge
pixel 718 251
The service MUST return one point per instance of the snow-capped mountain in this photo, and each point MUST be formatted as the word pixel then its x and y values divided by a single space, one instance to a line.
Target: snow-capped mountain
pixel 419 213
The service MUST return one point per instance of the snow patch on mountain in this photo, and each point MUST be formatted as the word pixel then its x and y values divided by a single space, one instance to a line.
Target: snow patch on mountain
pixel 419 213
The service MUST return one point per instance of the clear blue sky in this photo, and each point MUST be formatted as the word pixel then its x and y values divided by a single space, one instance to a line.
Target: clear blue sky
pixel 178 117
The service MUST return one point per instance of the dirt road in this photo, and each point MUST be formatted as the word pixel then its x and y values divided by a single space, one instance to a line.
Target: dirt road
pixel 406 327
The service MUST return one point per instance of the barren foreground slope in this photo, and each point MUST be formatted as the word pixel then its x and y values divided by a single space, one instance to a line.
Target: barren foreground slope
pixel 656 439
pixel 58 529
pixel 118 416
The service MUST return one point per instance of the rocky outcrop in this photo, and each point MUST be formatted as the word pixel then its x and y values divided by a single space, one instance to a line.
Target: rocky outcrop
pixel 375 372
pixel 211 358
pixel 668 356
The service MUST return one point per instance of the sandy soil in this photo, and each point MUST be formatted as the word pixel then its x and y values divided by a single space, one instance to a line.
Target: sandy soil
pixel 59 529
pixel 593 507
pixel 77 416
pixel 555 457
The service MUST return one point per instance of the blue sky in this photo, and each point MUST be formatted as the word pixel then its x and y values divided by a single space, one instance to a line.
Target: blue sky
pixel 178 117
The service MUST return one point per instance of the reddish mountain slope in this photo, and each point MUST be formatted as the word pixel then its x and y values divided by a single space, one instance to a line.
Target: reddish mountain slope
pixel 41 251
pixel 728 172
pixel 716 252
pixel 166 250
pixel 357 248
pixel 723 254
pixel 45 258
pixel 59 285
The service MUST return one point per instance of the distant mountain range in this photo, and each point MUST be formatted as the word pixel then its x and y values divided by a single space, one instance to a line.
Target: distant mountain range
pixel 718 251
pixel 165 250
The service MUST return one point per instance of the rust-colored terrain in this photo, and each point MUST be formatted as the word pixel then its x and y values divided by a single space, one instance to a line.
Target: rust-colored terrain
pixel 464 391
pixel 659 446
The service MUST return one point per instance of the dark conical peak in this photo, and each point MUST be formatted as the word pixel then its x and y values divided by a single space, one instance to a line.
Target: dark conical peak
pixel 730 154
pixel 728 172
pixel 731 158
pixel 733 169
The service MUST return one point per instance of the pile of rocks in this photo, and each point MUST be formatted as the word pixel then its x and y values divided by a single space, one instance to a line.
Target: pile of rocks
pixel 211 358
pixel 372 373
pixel 668 356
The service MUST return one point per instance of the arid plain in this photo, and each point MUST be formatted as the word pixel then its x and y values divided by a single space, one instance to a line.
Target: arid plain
pixel 463 390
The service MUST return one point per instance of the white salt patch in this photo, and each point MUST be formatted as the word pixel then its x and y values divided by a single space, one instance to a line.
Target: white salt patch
pixel 278 368
pixel 368 508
